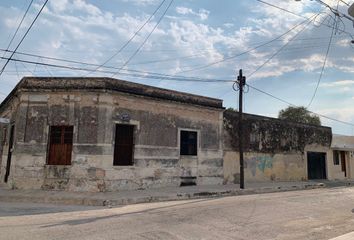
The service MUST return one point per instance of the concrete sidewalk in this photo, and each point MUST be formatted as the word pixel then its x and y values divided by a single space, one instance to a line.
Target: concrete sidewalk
pixel 155 195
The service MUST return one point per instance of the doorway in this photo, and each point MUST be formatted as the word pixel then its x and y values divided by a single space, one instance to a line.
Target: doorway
pixel 343 163
pixel 9 155
pixel 316 165
pixel 124 145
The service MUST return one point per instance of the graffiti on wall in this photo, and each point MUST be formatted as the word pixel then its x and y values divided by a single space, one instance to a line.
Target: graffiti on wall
pixel 260 162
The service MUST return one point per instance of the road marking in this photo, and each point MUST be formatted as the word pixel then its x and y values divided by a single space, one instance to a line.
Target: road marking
pixel 348 236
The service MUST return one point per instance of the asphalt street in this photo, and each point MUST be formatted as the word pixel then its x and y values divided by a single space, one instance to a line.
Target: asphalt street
pixel 310 214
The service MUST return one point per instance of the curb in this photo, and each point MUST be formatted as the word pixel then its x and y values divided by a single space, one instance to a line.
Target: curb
pixel 147 199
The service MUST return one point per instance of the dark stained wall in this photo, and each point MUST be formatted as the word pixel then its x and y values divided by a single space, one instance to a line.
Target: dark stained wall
pixel 271 135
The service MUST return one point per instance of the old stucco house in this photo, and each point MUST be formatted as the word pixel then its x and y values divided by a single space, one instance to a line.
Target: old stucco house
pixel 103 134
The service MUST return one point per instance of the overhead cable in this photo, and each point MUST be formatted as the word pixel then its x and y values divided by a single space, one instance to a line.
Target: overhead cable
pixel 144 75
pixel 322 69
pixel 23 37
pixel 245 52
pixel 145 40
pixel 291 104
pixel 130 39
pixel 280 49
pixel 19 25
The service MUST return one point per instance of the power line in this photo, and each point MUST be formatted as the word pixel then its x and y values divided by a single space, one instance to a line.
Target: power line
pixel 19 25
pixel 322 69
pixel 23 38
pixel 280 49
pixel 344 2
pixel 145 40
pixel 77 62
pixel 291 104
pixel 280 8
pixel 298 15
pixel 185 47
pixel 161 60
pixel 130 39
pixel 245 52
pixel 336 12
pixel 157 76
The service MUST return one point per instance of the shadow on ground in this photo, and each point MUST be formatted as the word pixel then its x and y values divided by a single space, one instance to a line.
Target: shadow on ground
pixel 8 209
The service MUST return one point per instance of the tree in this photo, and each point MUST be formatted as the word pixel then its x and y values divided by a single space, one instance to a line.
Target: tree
pixel 232 109
pixel 299 114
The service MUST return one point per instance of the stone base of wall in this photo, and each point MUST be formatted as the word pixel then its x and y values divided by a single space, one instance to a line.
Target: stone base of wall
pixel 74 178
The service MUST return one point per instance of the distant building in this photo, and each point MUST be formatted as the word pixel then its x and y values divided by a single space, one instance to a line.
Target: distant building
pixel 342 156
pixel 104 134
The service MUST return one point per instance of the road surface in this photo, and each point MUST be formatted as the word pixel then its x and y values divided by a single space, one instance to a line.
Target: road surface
pixel 310 214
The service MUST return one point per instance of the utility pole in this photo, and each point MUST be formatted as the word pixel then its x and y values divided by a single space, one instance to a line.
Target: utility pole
pixel 241 83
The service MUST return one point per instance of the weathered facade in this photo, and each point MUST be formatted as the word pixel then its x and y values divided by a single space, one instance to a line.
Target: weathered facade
pixel 275 150
pixel 102 134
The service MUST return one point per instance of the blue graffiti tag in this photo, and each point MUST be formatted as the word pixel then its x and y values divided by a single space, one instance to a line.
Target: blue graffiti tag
pixel 260 162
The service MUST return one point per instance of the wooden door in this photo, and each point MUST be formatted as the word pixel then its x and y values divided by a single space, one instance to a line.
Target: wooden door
pixel 61 143
pixel 343 163
pixel 124 145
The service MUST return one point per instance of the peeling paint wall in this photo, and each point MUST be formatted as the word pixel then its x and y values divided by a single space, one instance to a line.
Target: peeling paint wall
pixel 157 161
pixel 3 136
pixel 10 112
pixel 275 150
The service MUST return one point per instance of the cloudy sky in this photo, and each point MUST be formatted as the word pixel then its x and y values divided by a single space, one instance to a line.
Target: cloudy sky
pixel 280 53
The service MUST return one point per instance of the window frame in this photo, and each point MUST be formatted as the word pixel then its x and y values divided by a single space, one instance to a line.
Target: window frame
pixel 197 144
pixel 336 157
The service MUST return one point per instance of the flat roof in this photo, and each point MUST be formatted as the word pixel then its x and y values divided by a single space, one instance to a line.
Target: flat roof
pixel 36 84
pixel 342 142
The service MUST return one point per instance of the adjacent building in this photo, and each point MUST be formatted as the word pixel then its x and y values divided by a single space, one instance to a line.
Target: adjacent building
pixel 279 150
pixel 342 156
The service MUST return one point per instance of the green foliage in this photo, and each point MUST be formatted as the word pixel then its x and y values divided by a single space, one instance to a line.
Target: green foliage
pixel 232 109
pixel 299 114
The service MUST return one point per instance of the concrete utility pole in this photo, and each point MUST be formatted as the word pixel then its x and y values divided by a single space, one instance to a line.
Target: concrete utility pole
pixel 241 83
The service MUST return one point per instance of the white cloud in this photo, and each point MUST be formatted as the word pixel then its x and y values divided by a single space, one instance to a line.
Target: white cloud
pixel 228 25
pixel 202 13
pixel 339 83
pixel 142 2
pixel 83 6
pixel 342 113
pixel 59 6
pixel 343 42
